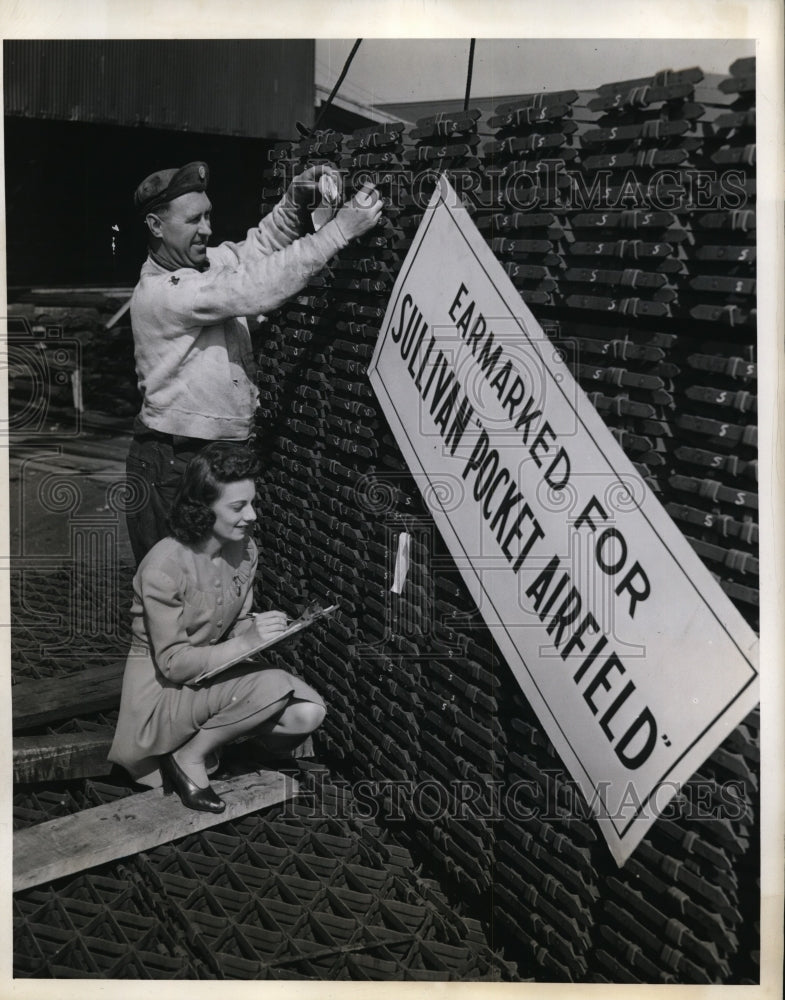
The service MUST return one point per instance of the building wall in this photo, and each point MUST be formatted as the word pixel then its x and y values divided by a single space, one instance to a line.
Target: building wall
pixel 232 87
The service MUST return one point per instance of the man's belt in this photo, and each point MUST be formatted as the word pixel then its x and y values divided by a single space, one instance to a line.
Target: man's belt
pixel 178 442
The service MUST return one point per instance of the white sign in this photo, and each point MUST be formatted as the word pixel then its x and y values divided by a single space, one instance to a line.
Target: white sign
pixel 633 658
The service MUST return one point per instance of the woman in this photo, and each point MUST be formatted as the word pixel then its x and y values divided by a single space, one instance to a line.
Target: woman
pixel 191 613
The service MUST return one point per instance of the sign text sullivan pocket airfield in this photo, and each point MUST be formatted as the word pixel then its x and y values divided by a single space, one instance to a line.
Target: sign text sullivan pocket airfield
pixel 635 661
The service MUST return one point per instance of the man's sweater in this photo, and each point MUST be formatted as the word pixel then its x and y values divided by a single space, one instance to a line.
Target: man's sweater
pixel 192 346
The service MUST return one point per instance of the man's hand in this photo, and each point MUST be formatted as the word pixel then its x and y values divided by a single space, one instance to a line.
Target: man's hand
pixel 361 213
pixel 304 189
pixel 269 625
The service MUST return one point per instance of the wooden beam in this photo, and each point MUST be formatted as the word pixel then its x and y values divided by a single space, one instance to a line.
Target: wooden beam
pixel 92 690
pixel 137 823
pixel 118 315
pixel 62 756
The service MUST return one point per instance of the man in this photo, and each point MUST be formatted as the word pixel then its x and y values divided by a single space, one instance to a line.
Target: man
pixel 192 347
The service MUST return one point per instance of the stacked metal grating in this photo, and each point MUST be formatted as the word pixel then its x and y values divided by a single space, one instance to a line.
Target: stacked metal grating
pixel 522 192
pixel 634 153
pixel 110 383
pixel 307 890
pixel 714 470
pixel 64 614
pixel 624 250
pixel 422 708
pixel 54 333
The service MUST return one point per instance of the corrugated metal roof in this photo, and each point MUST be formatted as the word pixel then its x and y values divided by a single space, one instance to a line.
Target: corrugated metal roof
pixel 237 87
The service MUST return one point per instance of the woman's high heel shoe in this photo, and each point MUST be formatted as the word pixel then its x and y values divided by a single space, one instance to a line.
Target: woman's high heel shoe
pixel 176 780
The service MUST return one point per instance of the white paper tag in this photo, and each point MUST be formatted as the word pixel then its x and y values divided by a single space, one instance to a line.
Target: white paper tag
pixel 401 562
pixel 329 204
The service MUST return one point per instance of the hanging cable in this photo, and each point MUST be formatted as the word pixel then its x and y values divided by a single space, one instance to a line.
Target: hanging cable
pixel 469 75
pixel 324 108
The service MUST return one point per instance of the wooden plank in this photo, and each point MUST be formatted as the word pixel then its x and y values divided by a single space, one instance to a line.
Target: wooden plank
pixel 92 690
pixel 62 755
pixel 120 312
pixel 117 829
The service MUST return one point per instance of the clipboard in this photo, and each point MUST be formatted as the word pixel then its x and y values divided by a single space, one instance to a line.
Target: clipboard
pixel 306 619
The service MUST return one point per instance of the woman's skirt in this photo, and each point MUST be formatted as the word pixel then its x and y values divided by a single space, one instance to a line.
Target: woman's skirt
pixel 156 716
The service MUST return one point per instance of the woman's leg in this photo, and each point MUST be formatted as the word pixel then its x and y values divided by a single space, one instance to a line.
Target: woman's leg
pixel 295 723
pixel 281 708
pixel 287 722
pixel 191 755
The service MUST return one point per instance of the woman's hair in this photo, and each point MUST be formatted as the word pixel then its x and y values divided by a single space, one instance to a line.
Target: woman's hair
pixel 217 464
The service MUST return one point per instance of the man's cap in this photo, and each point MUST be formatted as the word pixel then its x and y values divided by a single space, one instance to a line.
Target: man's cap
pixel 165 185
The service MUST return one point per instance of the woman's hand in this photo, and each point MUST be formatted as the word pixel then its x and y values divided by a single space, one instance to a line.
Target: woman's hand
pixel 270 624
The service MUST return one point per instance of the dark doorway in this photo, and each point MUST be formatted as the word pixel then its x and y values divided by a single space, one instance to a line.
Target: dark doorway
pixel 68 184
